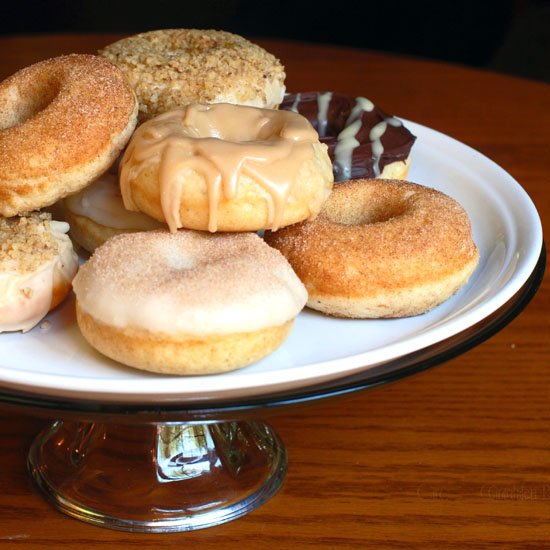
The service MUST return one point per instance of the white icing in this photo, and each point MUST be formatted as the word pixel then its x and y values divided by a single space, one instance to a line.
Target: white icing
pixel 375 136
pixel 323 101
pixel 343 151
pixel 102 203
pixel 26 298
pixel 296 102
pixel 347 140
pixel 362 105
pixel 225 292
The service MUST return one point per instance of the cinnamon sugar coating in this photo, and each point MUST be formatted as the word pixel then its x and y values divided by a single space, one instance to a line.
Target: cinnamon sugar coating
pixel 381 248
pixel 175 67
pixel 63 122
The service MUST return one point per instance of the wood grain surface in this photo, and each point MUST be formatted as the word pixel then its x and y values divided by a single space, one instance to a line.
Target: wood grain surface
pixel 457 457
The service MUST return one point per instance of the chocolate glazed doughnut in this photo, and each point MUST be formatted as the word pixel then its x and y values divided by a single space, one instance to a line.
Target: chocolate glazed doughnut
pixel 363 141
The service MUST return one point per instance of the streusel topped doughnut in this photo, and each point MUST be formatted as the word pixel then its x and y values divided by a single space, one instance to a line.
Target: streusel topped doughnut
pixel 172 68
pixel 37 264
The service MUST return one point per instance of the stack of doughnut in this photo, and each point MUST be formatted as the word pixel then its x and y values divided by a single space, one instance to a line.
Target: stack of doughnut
pixel 228 298
pixel 194 162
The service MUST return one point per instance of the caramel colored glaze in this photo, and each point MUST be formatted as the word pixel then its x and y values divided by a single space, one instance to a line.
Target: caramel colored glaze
pixel 362 139
pixel 220 143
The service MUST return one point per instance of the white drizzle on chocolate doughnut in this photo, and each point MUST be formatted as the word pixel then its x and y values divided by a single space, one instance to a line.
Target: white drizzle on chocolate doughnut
pixel 357 132
pixel 375 135
pixel 323 101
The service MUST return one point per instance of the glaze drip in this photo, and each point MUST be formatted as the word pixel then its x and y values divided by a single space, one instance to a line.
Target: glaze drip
pixel 221 144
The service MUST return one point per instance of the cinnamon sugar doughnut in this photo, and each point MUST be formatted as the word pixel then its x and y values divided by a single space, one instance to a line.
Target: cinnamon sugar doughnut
pixel 187 302
pixel 63 122
pixel 172 68
pixel 37 264
pixel 363 140
pixel 97 213
pixel 381 248
pixel 226 167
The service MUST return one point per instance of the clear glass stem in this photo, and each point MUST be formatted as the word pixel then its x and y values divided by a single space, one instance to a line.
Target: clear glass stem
pixel 157 477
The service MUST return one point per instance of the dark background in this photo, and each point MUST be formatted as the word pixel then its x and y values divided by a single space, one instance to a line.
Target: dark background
pixel 511 36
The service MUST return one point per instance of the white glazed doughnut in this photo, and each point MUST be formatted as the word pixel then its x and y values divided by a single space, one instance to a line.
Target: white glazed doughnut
pixel 97 213
pixel 187 302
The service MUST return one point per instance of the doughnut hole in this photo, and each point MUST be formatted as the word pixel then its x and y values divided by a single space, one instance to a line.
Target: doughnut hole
pixel 20 104
pixel 367 207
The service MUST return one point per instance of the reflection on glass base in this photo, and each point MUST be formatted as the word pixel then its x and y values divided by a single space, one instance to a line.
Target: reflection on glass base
pixel 157 477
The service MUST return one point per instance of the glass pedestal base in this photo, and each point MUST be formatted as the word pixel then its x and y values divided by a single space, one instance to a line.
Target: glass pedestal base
pixel 157 477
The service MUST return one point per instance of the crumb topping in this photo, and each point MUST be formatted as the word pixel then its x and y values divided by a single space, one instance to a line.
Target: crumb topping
pixel 174 67
pixel 26 242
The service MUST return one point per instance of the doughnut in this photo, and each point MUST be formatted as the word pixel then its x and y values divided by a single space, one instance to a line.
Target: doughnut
pixel 97 213
pixel 363 141
pixel 187 302
pixel 224 167
pixel 63 122
pixel 172 68
pixel 381 248
pixel 37 264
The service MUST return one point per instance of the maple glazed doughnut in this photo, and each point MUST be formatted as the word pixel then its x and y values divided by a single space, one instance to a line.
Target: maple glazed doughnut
pixel 63 122
pixel 97 213
pixel 381 248
pixel 187 302
pixel 225 167
pixel 363 140
pixel 171 68
pixel 37 264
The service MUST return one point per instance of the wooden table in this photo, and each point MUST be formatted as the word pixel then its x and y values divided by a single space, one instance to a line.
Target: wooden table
pixel 457 457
